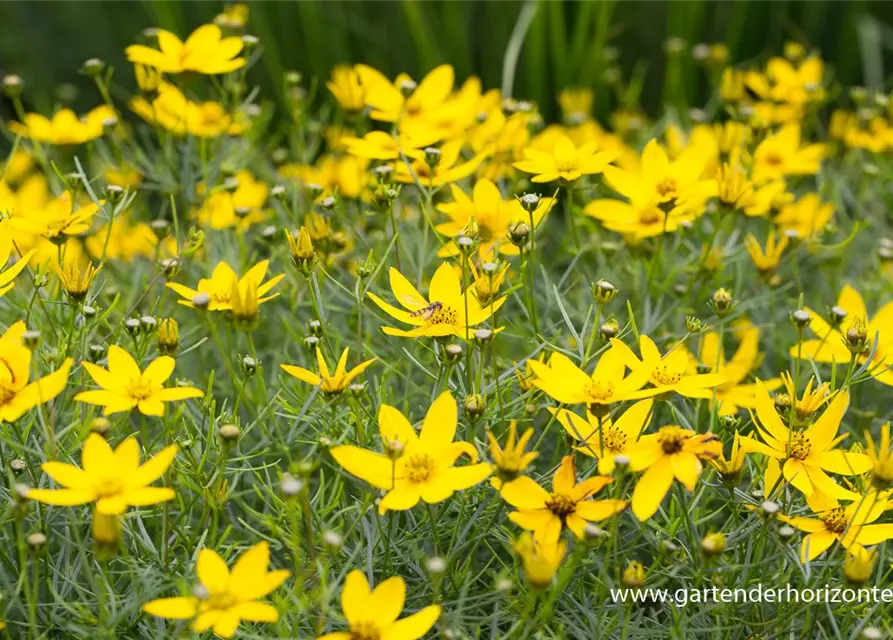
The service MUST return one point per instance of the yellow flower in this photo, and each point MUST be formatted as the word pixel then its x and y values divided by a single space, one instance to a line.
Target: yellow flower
pixel 346 87
pixel 508 463
pixel 8 275
pixel 734 393
pixel 672 452
pixel 205 51
pixel 486 284
pixel 564 381
pixel 114 480
pixel 830 346
pixel 633 575
pixel 606 438
pixel 540 558
pixel 781 155
pixel 61 217
pixel 811 400
pixel 168 336
pixel 17 396
pixel 219 286
pixel 635 221
pixel 525 375
pixel 730 468
pixel 226 597
pixel 546 514
pixel 425 469
pixel 804 457
pixel 76 283
pixel 442 314
pixel 244 304
pixel 804 218
pixel 576 104
pixel 676 188
pixel 565 162
pixel 233 16
pixel 378 145
pixel 851 526
pixel 859 564
pixel 766 260
pixel 333 383
pixel 125 387
pixel 490 216
pixel 65 127
pixel 172 111
pixel 426 102
pixel 447 168
pixel 125 176
pixel 881 456
pixel 148 79
pixel 238 208
pixel 666 373
pixel 373 614
pixel 731 88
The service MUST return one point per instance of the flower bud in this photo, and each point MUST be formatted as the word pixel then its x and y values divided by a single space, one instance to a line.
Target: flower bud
pixel 633 576
pixel 12 86
pixel 603 292
pixel 290 486
pixel 93 67
pixel 432 157
pixel 475 405
pixel 530 202
pixel 837 315
pixel 114 193
pixel 229 432
pixel 856 338
pixel 722 302
pixel 519 234
pixel 168 336
pixel 132 325
pixel 249 366
pixel 800 318
pixel 37 542
pixel 713 544
pixel 201 301
pixel 452 352
pixel 100 425
pixel 609 330
pixel 31 339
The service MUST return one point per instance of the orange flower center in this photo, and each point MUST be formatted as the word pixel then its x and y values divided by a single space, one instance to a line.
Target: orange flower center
pixel 773 159
pixel 6 394
pixel 561 505
pixel 444 315
pixel 419 467
pixel 613 439
pixel 671 440
pixel 667 188
pixel 835 520
pixel 364 630
pixel 800 446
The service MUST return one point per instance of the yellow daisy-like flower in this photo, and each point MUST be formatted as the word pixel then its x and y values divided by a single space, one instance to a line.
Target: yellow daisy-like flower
pixel 448 166
pixel 114 480
pixel 442 314
pixel 782 155
pixel 666 373
pixel 546 514
pixel 607 438
pixel 671 453
pixel 565 162
pixel 345 85
pixel 805 457
pixel 881 455
pixel 729 468
pixel 332 383
pixel 174 112
pixel 805 218
pixel 375 614
pixel 487 217
pixel 540 558
pixel 65 127
pixel 379 145
pixel 424 470
pixel 205 51
pixel 851 525
pixel 219 287
pixel 227 597
pixel 766 260
pixel 510 462
pixel 426 102
pixel 240 208
pixel 17 396
pixel 125 387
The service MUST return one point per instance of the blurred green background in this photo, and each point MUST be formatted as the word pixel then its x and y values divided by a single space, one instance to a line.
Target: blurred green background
pixel 45 42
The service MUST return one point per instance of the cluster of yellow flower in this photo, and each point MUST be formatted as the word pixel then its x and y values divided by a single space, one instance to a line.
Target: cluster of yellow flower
pixel 646 416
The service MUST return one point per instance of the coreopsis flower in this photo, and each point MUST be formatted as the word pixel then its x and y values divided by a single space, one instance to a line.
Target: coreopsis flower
pixel 785 88
pixel 565 382
pixel 568 505
pixel 852 526
pixel 61 218
pixel 606 438
pixel 447 166
pixel 302 252
pixel 832 339
pixel 65 127
pixel 633 575
pixel 565 162
pixel 148 79
pixel 219 286
pixel 805 218
pixel 331 383
pixel 804 457
pixel 734 393
pixel 375 613
pixel 17 396
pixel 174 112
pixel 114 480
pixel 510 462
pixel 781 155
pixel 766 260
pixel 244 304
pixel 525 374
pixel 488 217
pixel 424 470
pixel 540 558
pixel 576 104
pixel 859 564
pixel 233 16
pixel 125 387
pixel 636 221
pixel 425 102
pixel 168 336
pixel 240 208
pixel 730 468
pixel 205 51
pixel 671 453
pixel 666 373
pixel 226 597
pixel 75 281
pixel 487 281
pixel 345 85
pixel 9 272
pixel 379 145
pixel 443 313
pixel 805 405
pixel 881 455
pixel 676 188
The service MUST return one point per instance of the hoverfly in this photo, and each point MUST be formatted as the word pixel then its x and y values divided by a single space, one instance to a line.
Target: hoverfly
pixel 427 311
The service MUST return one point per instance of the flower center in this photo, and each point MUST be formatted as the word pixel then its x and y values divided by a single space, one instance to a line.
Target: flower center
pixel 600 389
pixel 671 440
pixel 139 389
pixel 835 520
pixel 444 315
pixel 364 631
pixel 561 505
pixel 109 486
pixel 613 439
pixel 419 467
pixel 666 189
pixel 6 394
pixel 773 159
pixel 800 446
pixel 662 375
pixel 649 216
